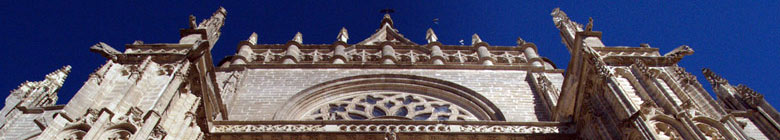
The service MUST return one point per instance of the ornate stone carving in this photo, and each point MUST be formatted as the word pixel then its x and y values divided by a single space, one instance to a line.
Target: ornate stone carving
pixel 430 36
pixel 713 78
pixel 389 105
pixel 750 96
pixel 680 51
pixel 710 133
pixel 475 39
pixel 665 130
pixel 547 87
pixel 40 93
pixel 343 35
pixel 71 134
pixel 511 129
pixel 158 133
pixel 268 128
pixel 433 128
pixel 105 50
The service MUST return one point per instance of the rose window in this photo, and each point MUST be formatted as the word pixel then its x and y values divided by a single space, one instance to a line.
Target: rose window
pixel 389 105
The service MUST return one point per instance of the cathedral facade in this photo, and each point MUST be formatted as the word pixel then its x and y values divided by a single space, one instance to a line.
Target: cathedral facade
pixel 387 87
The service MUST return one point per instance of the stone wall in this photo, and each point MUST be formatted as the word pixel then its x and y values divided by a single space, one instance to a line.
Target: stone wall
pixel 262 92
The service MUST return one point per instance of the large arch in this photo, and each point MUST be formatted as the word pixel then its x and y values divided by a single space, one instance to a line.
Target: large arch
pixel 666 126
pixel 712 128
pixel 310 99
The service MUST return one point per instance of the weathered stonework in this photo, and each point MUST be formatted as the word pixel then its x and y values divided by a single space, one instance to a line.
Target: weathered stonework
pixel 387 87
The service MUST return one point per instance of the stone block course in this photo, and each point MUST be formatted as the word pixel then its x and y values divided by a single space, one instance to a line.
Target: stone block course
pixel 265 91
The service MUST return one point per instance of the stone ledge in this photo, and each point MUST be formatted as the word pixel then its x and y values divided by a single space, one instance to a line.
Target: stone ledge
pixel 391 126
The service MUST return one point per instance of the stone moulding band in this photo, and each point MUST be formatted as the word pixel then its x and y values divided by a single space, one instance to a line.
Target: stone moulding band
pixel 392 126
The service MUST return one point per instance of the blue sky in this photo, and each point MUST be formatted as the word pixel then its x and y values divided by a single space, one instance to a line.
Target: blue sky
pixel 737 39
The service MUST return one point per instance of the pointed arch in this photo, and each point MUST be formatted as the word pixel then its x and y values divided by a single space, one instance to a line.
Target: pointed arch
pixel 443 92
pixel 712 128
pixel 666 126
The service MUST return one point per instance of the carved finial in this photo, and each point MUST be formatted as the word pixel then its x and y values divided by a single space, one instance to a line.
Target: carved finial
pixel 138 42
pixel 558 16
pixel 431 36
pixel 590 24
pixel 520 41
pixel 252 38
pixel 298 37
pixel 475 39
pixel 713 78
pixel 386 19
pixel 343 35
pixel 193 23
pixel 644 45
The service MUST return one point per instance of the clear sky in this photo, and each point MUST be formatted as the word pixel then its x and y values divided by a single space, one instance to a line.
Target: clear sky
pixel 737 39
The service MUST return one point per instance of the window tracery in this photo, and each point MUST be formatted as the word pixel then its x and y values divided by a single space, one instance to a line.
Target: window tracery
pixel 389 105
pixel 666 131
pixel 710 133
pixel 72 134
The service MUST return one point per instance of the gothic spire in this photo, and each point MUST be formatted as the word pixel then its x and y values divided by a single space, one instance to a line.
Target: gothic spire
pixel 343 35
pixel 51 83
pixel 431 36
pixel 298 38
pixel 59 75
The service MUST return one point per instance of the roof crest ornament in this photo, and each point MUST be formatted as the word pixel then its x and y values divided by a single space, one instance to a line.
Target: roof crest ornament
pixel 475 39
pixel 431 36
pixel 343 35
pixel 252 38
pixel 298 38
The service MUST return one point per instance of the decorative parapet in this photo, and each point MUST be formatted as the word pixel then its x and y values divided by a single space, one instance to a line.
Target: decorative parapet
pixel 270 54
pixel 395 126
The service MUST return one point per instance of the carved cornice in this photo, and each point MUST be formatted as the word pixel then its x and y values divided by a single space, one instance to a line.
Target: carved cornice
pixel 394 126
pixel 373 54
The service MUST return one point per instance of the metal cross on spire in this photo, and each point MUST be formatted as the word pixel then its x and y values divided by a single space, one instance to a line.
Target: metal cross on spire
pixel 387 11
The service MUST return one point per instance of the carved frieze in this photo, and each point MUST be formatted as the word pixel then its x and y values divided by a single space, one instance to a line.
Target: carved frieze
pixel 433 128
pixel 268 128
pixel 390 106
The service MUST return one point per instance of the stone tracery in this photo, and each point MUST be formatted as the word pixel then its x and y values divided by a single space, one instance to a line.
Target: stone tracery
pixel 391 105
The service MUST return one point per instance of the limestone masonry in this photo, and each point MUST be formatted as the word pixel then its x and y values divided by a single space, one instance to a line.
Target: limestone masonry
pixel 386 87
